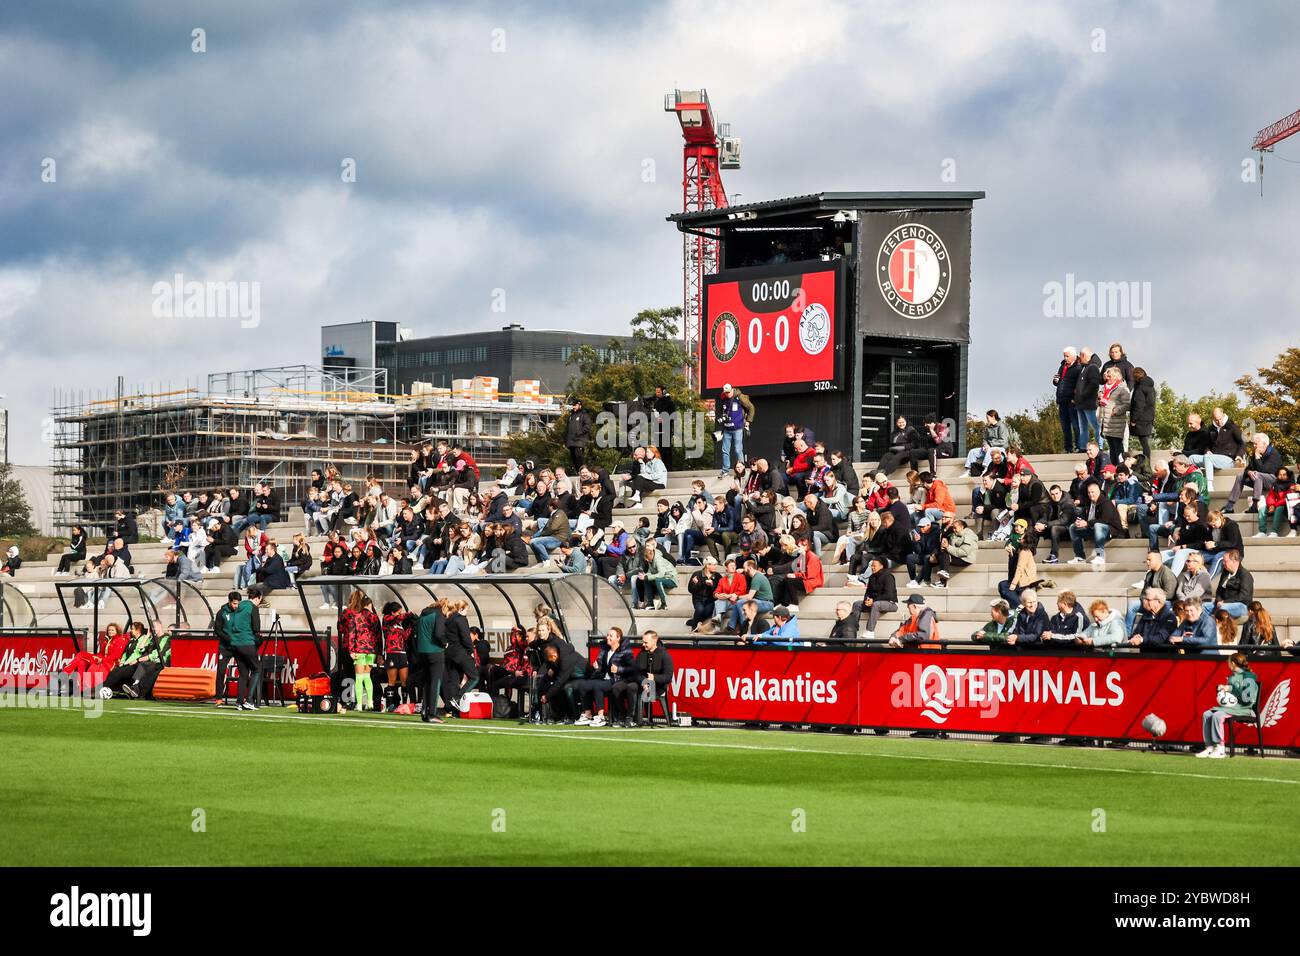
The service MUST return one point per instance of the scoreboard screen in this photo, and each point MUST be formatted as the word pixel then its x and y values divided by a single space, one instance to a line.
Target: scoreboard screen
pixel 774 328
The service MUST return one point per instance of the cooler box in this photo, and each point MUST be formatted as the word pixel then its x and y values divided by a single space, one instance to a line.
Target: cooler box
pixel 476 705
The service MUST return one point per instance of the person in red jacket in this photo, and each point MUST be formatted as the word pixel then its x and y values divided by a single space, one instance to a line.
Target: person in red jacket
pixel 805 576
pixel 801 466
pixel 91 669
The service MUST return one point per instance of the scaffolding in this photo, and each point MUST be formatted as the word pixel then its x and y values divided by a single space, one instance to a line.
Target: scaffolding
pixel 129 449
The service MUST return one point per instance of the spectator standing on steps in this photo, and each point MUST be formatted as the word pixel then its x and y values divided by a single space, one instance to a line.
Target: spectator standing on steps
pixel 1065 380
pixel 735 413
pixel 1086 392
pixel 577 434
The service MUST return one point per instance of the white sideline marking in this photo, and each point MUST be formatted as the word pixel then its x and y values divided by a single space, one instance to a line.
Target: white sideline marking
pixel 626 737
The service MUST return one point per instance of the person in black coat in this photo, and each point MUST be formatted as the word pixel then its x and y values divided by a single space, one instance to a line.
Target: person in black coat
pixel 125 527
pixel 462 674
pixel 1098 521
pixel 1086 394
pixel 1142 410
pixel 881 595
pixel 651 661
pixel 272 575
pixel 1065 380
pixel 511 553
pixel 76 553
pixel 577 434
pixel 904 441
pixel 847 619
pixel 563 667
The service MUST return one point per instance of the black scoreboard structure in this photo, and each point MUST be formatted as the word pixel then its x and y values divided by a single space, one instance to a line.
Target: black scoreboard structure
pixel 840 311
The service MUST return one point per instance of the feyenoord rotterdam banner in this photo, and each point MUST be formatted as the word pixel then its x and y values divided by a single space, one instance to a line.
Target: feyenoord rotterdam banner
pixel 914 274
pixel 1034 692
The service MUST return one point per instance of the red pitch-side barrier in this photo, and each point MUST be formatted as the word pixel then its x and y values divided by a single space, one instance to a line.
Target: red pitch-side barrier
pixel 29 658
pixel 1031 692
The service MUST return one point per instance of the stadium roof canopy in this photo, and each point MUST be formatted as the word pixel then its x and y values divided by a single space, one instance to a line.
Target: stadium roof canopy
pixel 829 202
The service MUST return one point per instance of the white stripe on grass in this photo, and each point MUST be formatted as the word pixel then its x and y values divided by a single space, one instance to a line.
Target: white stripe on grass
pixel 634 738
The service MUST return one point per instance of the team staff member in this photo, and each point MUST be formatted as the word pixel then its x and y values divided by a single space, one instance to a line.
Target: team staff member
pixel 564 666
pixel 652 661
pixel 243 630
pixel 430 653
pixel 614 662
pixel 462 669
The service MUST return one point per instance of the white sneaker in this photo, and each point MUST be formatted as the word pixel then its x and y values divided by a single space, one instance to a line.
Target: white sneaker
pixel 938 584
pixel 913 584
pixel 1218 752
pixel 1291 533
pixel 1207 752
pixel 325 607
pixel 1098 559
pixel 1272 534
pixel 1076 561
pixel 598 721
pixel 582 721
pixel 854 580
pixel 1259 534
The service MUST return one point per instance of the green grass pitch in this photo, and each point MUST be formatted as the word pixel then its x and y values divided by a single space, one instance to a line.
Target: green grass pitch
pixel 275 788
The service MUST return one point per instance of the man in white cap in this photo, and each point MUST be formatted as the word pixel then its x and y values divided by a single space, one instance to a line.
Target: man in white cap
pixel 735 412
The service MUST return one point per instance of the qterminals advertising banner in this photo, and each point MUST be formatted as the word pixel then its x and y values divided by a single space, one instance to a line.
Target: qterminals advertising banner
pixel 914 274
pixel 1029 693
pixel 774 328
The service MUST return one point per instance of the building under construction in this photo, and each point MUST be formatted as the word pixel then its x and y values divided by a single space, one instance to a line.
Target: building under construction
pixel 127 449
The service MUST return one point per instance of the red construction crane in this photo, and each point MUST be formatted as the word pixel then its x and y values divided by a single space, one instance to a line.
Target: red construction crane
pixel 709 149
pixel 1272 134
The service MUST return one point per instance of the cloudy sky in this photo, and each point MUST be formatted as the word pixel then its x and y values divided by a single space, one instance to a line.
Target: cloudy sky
pixel 503 147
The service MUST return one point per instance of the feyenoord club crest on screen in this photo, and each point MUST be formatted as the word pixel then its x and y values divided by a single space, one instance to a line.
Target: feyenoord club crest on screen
pixel 914 271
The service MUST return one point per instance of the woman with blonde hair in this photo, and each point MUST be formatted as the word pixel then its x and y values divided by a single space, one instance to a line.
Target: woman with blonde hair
pixel 652 478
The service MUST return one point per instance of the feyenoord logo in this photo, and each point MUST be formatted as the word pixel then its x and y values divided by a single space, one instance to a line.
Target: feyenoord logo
pixel 913 270
pixel 724 337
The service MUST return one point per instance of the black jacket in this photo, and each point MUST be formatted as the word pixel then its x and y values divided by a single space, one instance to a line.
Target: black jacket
pixel 1066 378
pixel 127 530
pixel 1106 513
pixel 894 543
pixel 882 586
pixel 1227 440
pixel 1142 407
pixel 272 574
pixel 1236 588
pixel 1085 390
pixel 1035 505
pixel 657 663
pixel 516 552
pixel 1268 463
pixel 577 431
pixel 847 476
pixel 847 629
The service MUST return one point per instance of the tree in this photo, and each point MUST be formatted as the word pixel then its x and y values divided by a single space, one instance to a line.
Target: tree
pixel 618 373
pixel 1037 431
pixel 1172 410
pixel 15 513
pixel 1271 402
